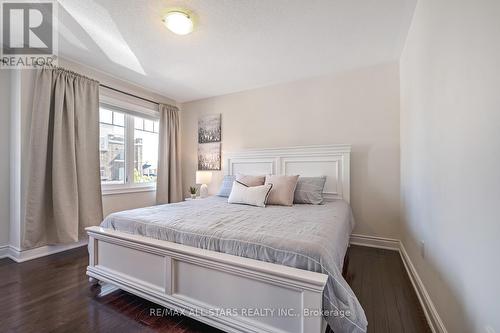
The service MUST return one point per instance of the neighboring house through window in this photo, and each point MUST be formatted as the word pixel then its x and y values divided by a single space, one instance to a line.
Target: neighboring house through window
pixel 128 150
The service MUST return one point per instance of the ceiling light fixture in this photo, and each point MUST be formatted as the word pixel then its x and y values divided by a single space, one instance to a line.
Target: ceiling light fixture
pixel 178 22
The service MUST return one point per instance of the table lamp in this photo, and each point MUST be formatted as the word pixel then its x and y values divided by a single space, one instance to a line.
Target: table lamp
pixel 203 178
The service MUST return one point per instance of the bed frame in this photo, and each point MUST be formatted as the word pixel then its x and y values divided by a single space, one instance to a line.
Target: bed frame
pixel 231 293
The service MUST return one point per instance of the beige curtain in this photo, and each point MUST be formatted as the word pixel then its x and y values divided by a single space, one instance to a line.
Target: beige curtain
pixel 63 187
pixel 168 183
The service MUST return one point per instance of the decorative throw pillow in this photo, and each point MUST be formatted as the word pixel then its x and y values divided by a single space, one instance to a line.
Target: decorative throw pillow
pixel 309 190
pixel 227 185
pixel 249 195
pixel 283 189
pixel 250 180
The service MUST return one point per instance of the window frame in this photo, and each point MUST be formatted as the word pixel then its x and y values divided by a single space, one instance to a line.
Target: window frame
pixel 130 111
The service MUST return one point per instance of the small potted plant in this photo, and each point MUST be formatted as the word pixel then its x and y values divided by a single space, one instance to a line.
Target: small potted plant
pixel 192 190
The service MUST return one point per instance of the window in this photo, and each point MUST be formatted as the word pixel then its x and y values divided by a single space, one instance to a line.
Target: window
pixel 128 150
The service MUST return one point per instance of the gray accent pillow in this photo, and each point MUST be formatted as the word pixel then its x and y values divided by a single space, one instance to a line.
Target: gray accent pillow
pixel 309 190
pixel 227 186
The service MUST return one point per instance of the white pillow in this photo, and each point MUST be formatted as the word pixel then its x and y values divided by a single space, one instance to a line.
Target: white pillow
pixel 254 196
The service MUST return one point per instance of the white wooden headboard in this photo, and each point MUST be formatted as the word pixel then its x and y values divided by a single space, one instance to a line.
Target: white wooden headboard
pixel 331 161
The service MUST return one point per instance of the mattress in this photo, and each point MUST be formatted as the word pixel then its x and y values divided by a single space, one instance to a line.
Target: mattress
pixel 310 237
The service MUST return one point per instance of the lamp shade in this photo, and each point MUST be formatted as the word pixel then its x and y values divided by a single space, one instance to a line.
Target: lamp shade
pixel 203 177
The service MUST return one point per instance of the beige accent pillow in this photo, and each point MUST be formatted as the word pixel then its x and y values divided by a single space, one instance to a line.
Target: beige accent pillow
pixel 282 191
pixel 250 180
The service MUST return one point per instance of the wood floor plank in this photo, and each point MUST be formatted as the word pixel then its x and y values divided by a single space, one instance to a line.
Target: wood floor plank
pixel 52 294
pixel 390 296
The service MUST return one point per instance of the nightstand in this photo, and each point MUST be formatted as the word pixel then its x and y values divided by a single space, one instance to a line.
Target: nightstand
pixel 189 198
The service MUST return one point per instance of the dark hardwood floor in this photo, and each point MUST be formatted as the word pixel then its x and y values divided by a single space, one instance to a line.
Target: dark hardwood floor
pixel 52 294
pixel 379 280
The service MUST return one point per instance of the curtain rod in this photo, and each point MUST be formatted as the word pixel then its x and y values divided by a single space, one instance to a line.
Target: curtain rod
pixel 105 86
pixel 129 94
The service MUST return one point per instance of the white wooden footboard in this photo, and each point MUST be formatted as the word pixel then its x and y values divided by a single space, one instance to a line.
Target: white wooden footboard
pixel 228 292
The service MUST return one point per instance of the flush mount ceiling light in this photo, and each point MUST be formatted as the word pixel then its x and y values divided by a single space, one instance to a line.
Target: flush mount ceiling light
pixel 178 22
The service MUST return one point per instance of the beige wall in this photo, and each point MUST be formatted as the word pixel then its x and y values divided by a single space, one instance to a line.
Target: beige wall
pixel 450 158
pixel 118 202
pixel 4 153
pixel 111 203
pixel 359 107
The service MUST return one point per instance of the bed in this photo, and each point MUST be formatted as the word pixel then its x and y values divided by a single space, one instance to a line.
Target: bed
pixel 236 267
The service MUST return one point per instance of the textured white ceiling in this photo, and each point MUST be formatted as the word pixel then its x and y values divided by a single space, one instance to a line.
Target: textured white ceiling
pixel 237 44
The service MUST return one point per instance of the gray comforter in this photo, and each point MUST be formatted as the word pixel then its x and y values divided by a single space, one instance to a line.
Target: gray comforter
pixel 311 237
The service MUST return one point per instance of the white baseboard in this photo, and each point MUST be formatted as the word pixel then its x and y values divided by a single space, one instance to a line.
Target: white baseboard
pixel 8 251
pixel 374 241
pixel 431 314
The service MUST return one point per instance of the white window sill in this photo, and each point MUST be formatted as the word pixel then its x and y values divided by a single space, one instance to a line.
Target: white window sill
pixel 124 190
